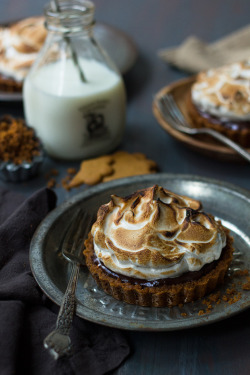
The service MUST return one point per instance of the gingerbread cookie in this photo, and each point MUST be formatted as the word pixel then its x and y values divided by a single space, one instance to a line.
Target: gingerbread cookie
pixel 106 168
pixel 92 171
pixel 126 164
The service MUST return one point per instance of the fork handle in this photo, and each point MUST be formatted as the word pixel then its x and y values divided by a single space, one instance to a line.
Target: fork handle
pixel 58 341
pixel 66 312
pixel 228 142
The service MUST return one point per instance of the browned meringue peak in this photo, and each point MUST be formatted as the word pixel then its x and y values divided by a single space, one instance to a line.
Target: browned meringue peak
pixel 28 35
pixel 224 91
pixel 19 46
pixel 155 233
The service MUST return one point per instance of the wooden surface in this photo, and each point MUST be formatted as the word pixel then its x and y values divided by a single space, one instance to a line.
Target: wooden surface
pixel 221 348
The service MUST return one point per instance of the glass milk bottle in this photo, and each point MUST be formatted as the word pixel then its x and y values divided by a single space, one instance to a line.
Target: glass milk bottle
pixel 74 96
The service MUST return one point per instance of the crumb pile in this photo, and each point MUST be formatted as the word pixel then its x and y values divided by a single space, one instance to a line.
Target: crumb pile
pixel 17 142
pixel 230 296
pixel 64 182
pixel 246 284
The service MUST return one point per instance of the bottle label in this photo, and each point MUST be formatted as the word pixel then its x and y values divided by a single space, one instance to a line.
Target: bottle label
pixel 95 122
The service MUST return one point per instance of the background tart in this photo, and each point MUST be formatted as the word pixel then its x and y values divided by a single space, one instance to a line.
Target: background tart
pixel 220 99
pixel 237 131
pixel 20 44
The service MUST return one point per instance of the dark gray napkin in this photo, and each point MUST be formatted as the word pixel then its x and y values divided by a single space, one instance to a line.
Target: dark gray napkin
pixel 27 316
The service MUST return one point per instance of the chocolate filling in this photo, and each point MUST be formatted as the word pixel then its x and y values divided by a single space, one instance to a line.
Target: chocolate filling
pixel 9 84
pixel 188 276
pixel 229 124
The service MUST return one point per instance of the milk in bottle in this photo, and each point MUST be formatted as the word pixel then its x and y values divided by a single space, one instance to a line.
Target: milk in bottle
pixel 73 96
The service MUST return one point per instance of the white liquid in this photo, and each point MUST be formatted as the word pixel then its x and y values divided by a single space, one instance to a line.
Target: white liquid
pixel 56 102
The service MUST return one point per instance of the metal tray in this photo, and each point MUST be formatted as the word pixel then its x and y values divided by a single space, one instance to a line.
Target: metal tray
pixel 229 203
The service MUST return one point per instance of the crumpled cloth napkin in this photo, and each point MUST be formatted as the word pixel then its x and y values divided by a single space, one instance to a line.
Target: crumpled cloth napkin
pixel 27 315
pixel 194 55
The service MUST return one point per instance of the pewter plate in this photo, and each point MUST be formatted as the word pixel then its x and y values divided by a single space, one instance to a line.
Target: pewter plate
pixel 229 203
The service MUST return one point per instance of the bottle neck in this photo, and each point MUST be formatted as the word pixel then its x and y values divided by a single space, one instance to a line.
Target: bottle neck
pixel 69 17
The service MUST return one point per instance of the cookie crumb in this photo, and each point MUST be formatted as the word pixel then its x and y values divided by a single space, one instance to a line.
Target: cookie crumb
pixel 71 171
pixel 235 298
pixel 52 172
pixel 230 296
pixel 241 273
pixel 51 183
pixel 230 292
pixel 201 312
pixel 214 296
pixel 184 314
pixel 246 286
pixel 65 183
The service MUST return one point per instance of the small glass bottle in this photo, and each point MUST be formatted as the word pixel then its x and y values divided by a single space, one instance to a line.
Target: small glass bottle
pixel 74 97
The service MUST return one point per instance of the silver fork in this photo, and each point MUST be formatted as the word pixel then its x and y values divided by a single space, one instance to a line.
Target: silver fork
pixel 58 341
pixel 175 118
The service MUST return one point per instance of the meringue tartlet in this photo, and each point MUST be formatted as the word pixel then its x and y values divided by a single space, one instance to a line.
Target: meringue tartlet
pixel 19 47
pixel 220 99
pixel 157 248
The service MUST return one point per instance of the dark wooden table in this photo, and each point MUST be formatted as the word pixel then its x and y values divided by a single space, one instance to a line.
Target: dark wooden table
pixel 221 348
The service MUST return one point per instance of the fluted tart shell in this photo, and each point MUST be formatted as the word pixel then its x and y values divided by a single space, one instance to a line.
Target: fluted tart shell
pixel 167 295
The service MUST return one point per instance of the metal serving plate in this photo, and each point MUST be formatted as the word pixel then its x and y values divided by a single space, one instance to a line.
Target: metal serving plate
pixel 227 202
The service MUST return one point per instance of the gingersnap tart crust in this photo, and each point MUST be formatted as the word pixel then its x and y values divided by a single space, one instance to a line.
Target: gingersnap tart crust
pixel 170 294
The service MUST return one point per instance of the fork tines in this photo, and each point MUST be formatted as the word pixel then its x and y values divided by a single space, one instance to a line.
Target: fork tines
pixel 76 233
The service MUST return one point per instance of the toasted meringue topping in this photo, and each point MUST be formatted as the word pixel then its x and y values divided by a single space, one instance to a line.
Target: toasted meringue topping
pixel 154 234
pixel 224 92
pixel 19 46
